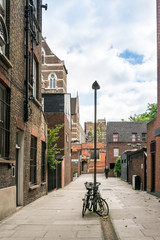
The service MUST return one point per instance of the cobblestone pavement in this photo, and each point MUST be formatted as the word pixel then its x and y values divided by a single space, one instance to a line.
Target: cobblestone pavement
pixel 135 215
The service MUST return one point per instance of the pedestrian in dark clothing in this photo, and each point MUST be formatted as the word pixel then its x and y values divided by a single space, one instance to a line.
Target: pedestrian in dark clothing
pixel 106 172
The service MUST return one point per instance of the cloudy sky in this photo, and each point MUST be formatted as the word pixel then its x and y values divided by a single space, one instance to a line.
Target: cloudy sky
pixel 111 41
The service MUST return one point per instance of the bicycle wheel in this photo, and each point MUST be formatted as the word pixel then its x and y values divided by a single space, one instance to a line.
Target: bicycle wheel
pixel 102 208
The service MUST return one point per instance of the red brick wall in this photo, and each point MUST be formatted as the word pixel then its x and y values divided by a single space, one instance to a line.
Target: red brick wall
pixel 136 166
pixel 55 119
pixel 110 153
pixel 85 155
pixel 15 79
pixel 155 124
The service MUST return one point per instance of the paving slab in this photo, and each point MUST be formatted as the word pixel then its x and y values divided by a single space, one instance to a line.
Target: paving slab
pixel 55 216
pixel 135 215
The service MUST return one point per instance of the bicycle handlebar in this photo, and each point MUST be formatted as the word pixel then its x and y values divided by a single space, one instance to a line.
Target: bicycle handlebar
pixel 90 185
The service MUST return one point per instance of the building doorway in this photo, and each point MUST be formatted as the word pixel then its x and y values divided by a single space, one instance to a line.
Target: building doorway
pixel 19 167
pixel 153 158
pixel 84 167
pixel 153 165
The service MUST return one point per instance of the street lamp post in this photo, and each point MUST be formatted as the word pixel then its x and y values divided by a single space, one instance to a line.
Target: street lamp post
pixel 95 86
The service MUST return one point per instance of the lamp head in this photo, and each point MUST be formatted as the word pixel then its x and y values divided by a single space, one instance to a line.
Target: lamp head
pixel 95 85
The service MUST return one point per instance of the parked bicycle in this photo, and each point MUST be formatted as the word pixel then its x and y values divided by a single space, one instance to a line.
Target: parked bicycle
pixel 93 200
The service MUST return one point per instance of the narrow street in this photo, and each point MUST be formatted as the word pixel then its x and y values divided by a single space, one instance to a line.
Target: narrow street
pixel 135 214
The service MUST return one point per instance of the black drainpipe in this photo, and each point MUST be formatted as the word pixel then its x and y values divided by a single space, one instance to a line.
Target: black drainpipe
pixel 26 102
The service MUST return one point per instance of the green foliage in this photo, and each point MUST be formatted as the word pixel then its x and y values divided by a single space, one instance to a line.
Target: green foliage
pixel 117 168
pixel 53 150
pixel 150 114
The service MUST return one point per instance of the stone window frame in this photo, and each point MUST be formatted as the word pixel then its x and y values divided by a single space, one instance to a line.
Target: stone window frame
pixel 52 81
pixel 4 122
pixel 116 152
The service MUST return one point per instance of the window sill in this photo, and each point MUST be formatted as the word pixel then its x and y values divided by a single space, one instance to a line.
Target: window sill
pixel 50 88
pixel 32 187
pixel 2 160
pixel 6 61
pixel 43 183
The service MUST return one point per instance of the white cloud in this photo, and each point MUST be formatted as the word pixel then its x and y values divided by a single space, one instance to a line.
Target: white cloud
pixel 89 35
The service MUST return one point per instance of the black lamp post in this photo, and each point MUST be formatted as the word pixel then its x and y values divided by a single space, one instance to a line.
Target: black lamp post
pixel 95 86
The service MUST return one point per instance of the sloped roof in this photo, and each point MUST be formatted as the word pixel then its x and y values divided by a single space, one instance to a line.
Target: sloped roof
pixel 125 130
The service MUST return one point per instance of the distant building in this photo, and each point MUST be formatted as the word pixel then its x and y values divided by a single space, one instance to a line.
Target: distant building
pixel 78 135
pixel 122 136
pixel 75 120
pixel 82 134
pixel 101 131
pixel 83 155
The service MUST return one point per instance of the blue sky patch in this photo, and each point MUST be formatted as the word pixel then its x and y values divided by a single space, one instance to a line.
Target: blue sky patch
pixel 132 57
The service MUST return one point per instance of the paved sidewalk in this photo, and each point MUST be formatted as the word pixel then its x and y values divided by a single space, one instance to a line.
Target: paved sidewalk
pixel 55 216
pixel 135 215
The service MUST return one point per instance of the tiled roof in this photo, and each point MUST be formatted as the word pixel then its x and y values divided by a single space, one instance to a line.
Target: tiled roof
pixel 125 130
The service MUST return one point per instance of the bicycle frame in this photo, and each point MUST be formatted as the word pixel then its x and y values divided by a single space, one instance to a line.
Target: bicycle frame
pixel 93 199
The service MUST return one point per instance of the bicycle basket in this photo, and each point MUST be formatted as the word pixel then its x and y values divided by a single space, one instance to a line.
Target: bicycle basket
pixel 89 185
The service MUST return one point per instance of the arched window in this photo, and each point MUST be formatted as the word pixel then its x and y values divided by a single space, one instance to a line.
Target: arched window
pixel 43 56
pixel 52 81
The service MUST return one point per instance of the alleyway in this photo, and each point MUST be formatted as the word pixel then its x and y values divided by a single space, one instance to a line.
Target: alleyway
pixel 135 214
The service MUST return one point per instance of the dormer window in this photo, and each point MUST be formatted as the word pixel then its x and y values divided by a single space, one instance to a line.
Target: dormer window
pixel 52 81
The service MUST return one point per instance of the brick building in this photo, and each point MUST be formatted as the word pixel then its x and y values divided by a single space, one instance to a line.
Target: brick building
pixel 122 136
pixel 153 130
pixel 84 157
pixel 58 111
pixel 57 108
pixel 101 131
pixel 54 72
pixel 78 135
pixel 23 129
pixel 135 163
pixel 75 120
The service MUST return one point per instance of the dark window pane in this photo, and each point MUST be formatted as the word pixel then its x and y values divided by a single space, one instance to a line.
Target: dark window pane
pixel 43 166
pixel 4 122
pixel 33 160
